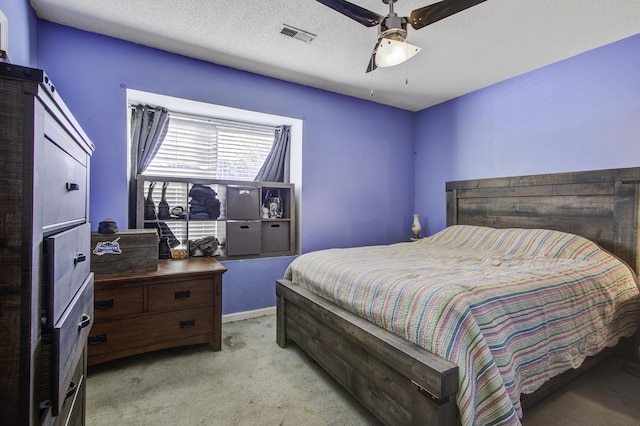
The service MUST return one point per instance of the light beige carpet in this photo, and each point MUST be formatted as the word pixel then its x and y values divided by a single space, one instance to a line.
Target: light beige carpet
pixel 252 381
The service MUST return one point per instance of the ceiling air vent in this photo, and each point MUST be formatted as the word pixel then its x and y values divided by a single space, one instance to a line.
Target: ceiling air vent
pixel 297 33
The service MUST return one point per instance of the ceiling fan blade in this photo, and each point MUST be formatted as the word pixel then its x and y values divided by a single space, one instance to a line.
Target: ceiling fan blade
pixel 427 15
pixel 372 62
pixel 355 12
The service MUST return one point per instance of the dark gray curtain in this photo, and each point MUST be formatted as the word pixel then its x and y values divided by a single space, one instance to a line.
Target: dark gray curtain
pixel 148 129
pixel 276 166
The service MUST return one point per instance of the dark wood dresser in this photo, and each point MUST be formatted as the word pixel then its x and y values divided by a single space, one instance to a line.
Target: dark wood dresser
pixel 179 304
pixel 46 287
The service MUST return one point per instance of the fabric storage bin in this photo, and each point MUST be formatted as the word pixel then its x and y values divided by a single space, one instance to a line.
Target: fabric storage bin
pixel 243 237
pixel 243 202
pixel 275 236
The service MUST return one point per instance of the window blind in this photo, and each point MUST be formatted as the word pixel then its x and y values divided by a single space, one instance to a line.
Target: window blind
pixel 207 148
pixel 212 148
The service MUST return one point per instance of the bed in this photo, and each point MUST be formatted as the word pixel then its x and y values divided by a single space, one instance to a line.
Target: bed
pixel 404 371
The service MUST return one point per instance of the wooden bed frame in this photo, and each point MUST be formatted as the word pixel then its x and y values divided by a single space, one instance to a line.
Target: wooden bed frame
pixel 401 383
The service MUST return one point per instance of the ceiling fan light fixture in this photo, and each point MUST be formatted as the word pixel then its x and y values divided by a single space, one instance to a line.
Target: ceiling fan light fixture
pixel 391 48
pixel 390 52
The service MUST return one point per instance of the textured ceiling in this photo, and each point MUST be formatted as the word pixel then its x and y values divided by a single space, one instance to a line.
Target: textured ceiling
pixel 489 43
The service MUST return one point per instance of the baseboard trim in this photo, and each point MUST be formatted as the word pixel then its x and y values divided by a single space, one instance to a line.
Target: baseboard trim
pixel 239 316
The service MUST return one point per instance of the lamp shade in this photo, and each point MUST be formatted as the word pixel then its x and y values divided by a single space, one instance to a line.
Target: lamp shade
pixel 393 52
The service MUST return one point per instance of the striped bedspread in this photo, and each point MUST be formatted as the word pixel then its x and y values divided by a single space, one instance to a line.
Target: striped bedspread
pixel 511 307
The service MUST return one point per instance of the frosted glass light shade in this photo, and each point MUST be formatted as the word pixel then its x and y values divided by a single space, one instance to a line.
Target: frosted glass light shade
pixel 393 52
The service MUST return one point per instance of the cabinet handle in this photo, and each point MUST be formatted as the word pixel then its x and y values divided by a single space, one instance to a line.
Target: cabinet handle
pixel 98 339
pixel 80 257
pixel 72 186
pixel 101 305
pixel 244 227
pixel 275 225
pixel 86 320
pixel 181 295
pixel 188 323
pixel 71 390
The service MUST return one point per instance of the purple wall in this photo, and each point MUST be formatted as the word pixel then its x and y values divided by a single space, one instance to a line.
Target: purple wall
pixel 358 176
pixel 582 113
pixel 357 173
pixel 23 32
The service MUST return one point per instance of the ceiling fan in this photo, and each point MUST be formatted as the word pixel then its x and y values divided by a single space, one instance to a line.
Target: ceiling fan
pixel 391 48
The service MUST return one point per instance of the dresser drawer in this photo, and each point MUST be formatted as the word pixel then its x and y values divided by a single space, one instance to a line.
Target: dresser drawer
pixel 62 183
pixel 69 342
pixel 118 302
pixel 71 412
pixel 149 331
pixel 180 295
pixel 68 262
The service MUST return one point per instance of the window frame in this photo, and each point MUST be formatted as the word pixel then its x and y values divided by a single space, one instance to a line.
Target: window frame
pixel 205 109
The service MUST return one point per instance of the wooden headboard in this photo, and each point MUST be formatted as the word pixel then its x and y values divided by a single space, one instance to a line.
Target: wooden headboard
pixel 601 205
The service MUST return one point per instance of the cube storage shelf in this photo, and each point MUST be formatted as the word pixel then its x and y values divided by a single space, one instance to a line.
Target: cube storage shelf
pixel 256 219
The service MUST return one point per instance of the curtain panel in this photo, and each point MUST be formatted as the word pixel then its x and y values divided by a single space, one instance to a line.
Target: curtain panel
pixel 149 127
pixel 276 166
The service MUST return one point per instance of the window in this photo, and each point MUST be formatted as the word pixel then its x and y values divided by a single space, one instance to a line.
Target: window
pixel 231 124
pixel 210 148
pixel 198 147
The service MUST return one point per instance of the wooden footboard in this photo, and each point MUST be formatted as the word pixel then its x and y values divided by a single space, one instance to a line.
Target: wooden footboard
pixel 397 381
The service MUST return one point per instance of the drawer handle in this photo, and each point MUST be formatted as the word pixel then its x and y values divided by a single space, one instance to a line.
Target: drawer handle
pixel 72 186
pixel 80 257
pixel 244 227
pixel 98 339
pixel 101 305
pixel 275 225
pixel 181 295
pixel 188 323
pixel 71 390
pixel 86 320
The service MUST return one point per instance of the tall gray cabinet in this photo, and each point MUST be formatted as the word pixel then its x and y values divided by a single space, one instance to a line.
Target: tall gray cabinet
pixel 46 287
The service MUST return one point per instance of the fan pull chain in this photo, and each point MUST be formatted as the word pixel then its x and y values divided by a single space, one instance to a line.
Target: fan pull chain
pixel 406 74
pixel 406 67
pixel 371 81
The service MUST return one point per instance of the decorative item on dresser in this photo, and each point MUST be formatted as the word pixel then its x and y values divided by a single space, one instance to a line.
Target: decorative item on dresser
pixel 178 304
pixel 46 287
pixel 415 226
